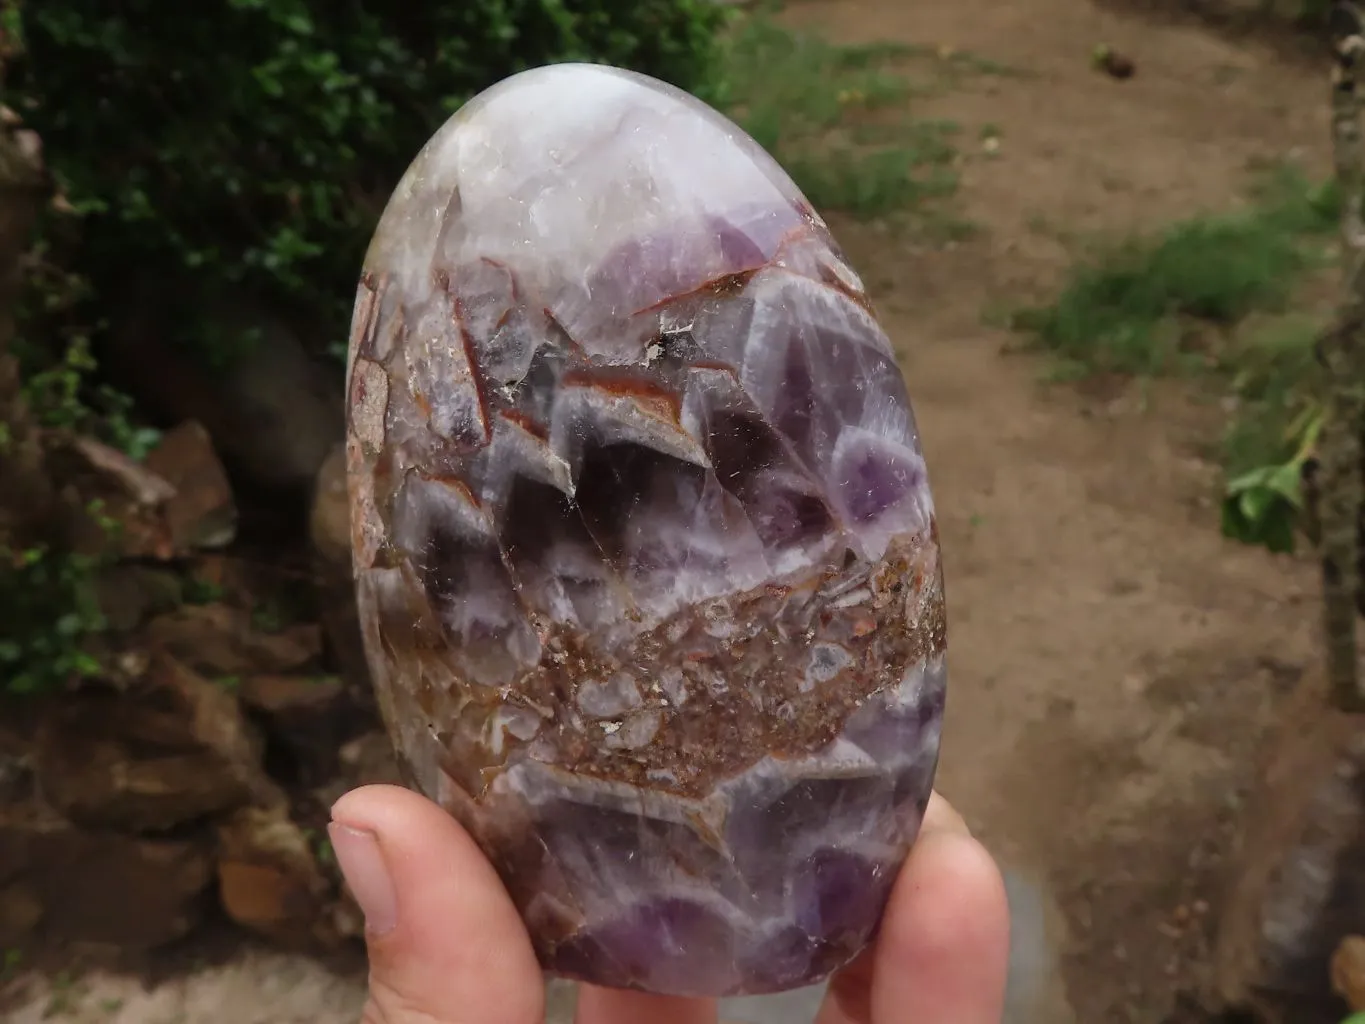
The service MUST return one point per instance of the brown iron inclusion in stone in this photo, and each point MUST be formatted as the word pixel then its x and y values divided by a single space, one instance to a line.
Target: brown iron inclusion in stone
pixel 645 553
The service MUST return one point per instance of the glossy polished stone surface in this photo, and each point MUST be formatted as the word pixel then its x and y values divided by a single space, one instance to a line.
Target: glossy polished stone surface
pixel 644 547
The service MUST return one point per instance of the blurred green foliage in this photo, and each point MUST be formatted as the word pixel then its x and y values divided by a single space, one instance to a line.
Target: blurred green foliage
pixel 247 146
pixel 839 118
pixel 210 151
pixel 50 612
pixel 244 149
pixel 1176 301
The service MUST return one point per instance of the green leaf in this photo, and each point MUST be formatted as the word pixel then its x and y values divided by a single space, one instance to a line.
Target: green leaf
pixel 1255 502
pixel 1261 507
pixel 1286 481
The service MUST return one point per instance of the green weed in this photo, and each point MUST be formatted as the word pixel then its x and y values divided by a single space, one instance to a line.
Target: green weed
pixel 1176 302
pixel 1137 306
pixel 52 612
pixel 838 118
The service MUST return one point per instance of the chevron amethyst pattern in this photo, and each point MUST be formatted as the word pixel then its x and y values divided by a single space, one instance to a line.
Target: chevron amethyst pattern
pixel 645 552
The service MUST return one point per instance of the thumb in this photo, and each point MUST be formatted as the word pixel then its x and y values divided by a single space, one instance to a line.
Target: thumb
pixel 446 945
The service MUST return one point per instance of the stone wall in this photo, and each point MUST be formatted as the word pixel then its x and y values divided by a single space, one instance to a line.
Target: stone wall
pixel 190 778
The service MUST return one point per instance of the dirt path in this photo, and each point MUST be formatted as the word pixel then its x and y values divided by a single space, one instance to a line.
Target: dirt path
pixel 1112 659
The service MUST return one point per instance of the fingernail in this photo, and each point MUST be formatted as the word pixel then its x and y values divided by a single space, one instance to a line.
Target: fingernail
pixel 362 862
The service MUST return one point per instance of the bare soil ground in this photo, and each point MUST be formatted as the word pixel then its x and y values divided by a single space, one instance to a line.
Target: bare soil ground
pixel 1114 662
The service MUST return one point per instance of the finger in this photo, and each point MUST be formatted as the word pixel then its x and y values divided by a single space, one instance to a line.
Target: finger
pixel 446 945
pixel 611 1006
pixel 942 950
pixel 849 998
pixel 940 816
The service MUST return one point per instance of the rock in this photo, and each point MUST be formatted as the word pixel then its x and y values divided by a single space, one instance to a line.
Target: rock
pixel 369 760
pixel 1348 972
pixel 117 504
pixel 201 513
pixel 171 751
pixel 645 550
pixel 285 697
pixel 285 405
pixel 217 577
pixel 139 482
pixel 271 409
pixel 66 884
pixel 175 501
pixel 308 716
pixel 330 533
pixel 269 879
pixel 364 761
pixel 129 593
pixel 21 910
pixel 220 641
pixel 329 520
pixel 1296 883
pixel 1113 63
pixel 340 621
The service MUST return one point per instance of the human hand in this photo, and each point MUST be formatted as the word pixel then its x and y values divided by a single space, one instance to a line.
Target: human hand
pixel 426 889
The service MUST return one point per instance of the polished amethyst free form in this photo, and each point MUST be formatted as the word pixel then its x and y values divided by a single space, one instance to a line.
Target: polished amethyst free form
pixel 645 553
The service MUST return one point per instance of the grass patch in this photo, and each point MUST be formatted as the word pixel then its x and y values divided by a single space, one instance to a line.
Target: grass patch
pixel 1178 301
pixel 1137 307
pixel 839 118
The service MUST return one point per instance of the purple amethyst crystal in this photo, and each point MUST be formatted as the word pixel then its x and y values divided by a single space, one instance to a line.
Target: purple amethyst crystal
pixel 645 553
